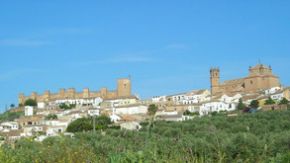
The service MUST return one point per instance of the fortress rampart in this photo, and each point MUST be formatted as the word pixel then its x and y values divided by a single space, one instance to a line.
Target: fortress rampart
pixel 123 90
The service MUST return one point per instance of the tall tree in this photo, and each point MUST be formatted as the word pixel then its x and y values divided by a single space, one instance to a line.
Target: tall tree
pixel 284 101
pixel 241 105
pixel 30 102
pixel 254 104
pixel 152 109
pixel 269 101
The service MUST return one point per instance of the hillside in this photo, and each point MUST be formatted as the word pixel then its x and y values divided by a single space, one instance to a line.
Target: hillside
pixel 258 137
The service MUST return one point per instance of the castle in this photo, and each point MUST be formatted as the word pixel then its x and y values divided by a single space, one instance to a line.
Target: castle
pixel 123 90
pixel 260 78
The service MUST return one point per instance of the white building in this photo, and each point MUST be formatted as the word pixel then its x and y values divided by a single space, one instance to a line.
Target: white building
pixel 216 106
pixel 119 102
pixel 157 99
pixel 41 105
pixel 130 126
pixel 193 97
pixel 56 123
pixel 94 112
pixel 28 111
pixel 279 95
pixel 8 126
pixel 32 129
pixel 231 99
pixel 95 102
pixel 272 90
pixel 129 110
pixel 55 130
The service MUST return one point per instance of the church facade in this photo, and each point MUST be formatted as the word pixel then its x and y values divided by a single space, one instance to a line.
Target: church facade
pixel 260 78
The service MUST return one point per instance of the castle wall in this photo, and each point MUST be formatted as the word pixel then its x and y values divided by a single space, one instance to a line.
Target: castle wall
pixel 123 90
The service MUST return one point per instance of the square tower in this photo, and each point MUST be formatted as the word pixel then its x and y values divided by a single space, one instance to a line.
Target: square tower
pixel 214 80
pixel 124 87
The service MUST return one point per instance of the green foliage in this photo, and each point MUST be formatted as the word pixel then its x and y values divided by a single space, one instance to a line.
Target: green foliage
pixel 86 124
pixel 65 106
pixel 241 105
pixel 51 117
pixel 187 112
pixel 269 101
pixel 260 137
pixel 152 109
pixel 254 104
pixel 10 116
pixel 284 101
pixel 30 102
pixel 79 125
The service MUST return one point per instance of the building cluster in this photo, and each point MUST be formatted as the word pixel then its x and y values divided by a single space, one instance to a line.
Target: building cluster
pixel 127 110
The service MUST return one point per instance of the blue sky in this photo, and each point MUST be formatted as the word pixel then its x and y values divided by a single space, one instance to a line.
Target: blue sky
pixel 167 46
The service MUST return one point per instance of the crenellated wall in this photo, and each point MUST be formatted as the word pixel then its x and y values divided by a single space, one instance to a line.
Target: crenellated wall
pixel 123 90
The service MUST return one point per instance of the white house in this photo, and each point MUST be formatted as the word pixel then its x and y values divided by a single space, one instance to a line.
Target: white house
pixel 193 97
pixel 278 96
pixel 56 123
pixel 8 126
pixel 130 126
pixel 28 111
pixel 161 113
pixel 230 99
pixel 95 102
pixel 216 106
pixel 41 105
pixel 55 130
pixel 157 99
pixel 119 102
pixel 94 112
pixel 272 90
pixel 29 130
pixel 137 109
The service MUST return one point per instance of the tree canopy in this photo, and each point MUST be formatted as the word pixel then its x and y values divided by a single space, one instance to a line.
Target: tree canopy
pixel 30 102
pixel 10 116
pixel 269 101
pixel 51 117
pixel 284 101
pixel 254 104
pixel 65 106
pixel 152 109
pixel 86 124
pixel 259 137
pixel 241 105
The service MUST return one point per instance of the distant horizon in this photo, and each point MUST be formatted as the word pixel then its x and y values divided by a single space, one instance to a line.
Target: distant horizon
pixel 165 46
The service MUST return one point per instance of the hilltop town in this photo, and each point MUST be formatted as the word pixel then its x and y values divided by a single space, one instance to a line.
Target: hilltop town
pixel 49 114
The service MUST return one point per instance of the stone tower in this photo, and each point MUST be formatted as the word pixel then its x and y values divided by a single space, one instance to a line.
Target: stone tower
pixel 46 96
pixel 86 93
pixel 124 88
pixel 61 93
pixel 21 99
pixel 214 80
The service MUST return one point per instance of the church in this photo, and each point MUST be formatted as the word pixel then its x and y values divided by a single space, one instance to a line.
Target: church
pixel 260 78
